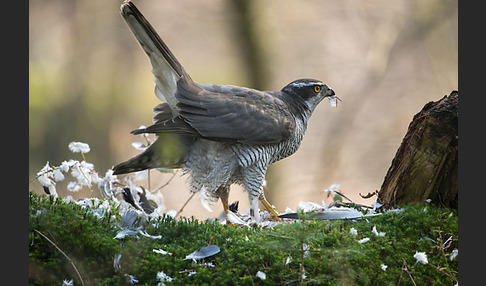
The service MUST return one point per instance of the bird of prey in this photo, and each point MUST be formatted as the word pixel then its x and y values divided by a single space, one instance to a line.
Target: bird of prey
pixel 218 134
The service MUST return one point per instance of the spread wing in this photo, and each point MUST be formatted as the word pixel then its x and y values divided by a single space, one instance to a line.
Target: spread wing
pixel 227 113
pixel 166 68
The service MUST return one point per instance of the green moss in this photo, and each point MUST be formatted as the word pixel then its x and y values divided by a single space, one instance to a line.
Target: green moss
pixel 332 255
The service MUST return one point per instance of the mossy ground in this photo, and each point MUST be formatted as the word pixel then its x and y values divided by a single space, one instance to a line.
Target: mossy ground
pixel 330 254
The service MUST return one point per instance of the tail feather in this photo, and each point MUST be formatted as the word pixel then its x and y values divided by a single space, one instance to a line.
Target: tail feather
pixel 165 66
pixel 168 151
pixel 140 162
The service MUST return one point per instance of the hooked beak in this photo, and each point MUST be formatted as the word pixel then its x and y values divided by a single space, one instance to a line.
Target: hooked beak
pixel 331 94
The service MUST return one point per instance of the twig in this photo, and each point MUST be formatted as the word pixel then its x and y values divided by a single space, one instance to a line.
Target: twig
pixel 148 180
pixel 65 255
pixel 179 211
pixel 404 267
pixel 84 158
pixel 342 195
pixel 444 272
pixel 302 252
pixel 209 243
pixel 159 188
pixel 40 174
pixel 350 205
pixel 278 236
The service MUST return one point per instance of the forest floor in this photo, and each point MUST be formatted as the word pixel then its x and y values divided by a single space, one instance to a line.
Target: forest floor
pixel 100 242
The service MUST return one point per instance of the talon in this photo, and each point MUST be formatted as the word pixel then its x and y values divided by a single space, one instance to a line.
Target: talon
pixel 271 210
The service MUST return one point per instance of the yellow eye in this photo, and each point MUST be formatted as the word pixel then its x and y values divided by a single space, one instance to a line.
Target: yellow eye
pixel 317 88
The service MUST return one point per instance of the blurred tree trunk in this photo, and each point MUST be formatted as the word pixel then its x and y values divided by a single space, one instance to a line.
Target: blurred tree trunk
pixel 245 27
pixel 254 63
pixel 426 163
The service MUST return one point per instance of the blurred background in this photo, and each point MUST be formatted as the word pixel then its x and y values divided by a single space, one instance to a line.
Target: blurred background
pixel 90 81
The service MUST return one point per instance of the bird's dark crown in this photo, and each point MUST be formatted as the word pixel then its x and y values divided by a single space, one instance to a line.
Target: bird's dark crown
pixel 306 88
pixel 303 95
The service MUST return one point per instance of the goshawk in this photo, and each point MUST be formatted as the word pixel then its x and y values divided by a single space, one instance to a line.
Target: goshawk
pixel 218 134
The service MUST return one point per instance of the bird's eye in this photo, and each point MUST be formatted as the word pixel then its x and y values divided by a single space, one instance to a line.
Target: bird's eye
pixel 317 88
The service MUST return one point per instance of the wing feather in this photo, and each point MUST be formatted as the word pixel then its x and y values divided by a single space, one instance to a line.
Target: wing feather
pixel 166 68
pixel 226 113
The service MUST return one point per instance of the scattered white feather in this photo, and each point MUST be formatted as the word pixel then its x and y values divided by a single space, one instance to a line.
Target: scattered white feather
pixel 306 250
pixel 45 169
pixel 84 173
pixel 288 210
pixel 261 275
pixel 375 232
pixel 107 184
pixel 144 233
pixel 383 267
pixel 454 254
pixel 376 205
pixel 58 175
pixel 447 241
pixel 172 213
pixel 117 262
pixel 139 146
pixel 309 206
pixel 132 278
pixel 204 252
pixel 129 218
pixel 79 147
pixel 45 180
pixel 125 232
pixel 333 100
pixel 341 213
pixel 162 277
pixel 397 211
pixel 161 251
pixel 331 189
pixel 207 264
pixel 204 199
pixel 363 240
pixel 73 187
pixel 421 257
pixel 426 238
pixel 65 165
pixel 353 231
pixel 233 218
pixel 141 175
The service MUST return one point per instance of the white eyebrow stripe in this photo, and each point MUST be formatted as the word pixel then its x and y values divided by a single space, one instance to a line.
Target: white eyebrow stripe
pixel 301 84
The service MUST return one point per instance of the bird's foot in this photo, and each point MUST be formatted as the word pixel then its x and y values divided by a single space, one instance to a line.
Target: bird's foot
pixel 271 210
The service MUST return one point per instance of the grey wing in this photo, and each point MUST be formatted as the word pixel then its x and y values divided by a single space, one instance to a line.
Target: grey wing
pixel 234 114
pixel 162 112
pixel 166 68
pixel 165 122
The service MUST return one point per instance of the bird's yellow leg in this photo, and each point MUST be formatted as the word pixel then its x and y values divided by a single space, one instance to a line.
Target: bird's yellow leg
pixel 224 201
pixel 271 210
pixel 224 196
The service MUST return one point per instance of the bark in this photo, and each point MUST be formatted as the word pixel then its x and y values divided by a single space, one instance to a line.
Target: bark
pixel 426 163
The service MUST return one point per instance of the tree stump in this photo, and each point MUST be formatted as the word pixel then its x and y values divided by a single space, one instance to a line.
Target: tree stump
pixel 426 163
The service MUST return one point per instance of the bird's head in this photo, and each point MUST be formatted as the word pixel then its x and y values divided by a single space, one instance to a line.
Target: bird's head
pixel 310 92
